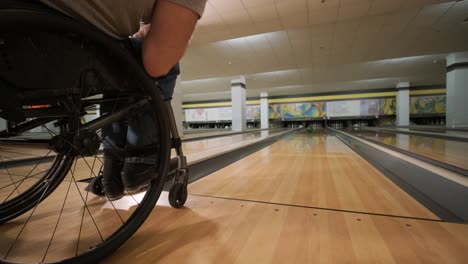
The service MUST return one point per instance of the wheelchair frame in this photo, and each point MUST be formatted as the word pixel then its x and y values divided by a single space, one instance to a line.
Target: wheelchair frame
pixel 26 13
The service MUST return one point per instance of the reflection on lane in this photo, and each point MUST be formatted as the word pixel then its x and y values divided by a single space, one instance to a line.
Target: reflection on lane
pixel 440 130
pixel 206 144
pixel 310 169
pixel 454 153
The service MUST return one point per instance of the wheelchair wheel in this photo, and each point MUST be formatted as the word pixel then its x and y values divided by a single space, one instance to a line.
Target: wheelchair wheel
pixel 95 186
pixel 178 195
pixel 26 182
pixel 46 215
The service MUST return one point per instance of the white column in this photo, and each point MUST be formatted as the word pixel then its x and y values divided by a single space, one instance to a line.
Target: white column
pixel 403 103
pixel 3 124
pixel 264 112
pixel 403 141
pixel 177 105
pixel 457 90
pixel 238 104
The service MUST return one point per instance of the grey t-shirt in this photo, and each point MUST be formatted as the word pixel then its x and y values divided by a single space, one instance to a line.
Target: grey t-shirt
pixel 117 18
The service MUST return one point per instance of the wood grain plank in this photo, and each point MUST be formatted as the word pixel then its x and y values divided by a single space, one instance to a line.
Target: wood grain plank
pixel 311 170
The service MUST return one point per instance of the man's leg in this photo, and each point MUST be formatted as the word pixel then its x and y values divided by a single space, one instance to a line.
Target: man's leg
pixel 143 134
pixel 114 137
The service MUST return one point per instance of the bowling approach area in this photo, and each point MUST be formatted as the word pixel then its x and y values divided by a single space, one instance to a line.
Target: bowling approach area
pixel 305 197
pixel 299 131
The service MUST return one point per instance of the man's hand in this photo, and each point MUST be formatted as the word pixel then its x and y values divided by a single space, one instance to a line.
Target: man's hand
pixel 142 32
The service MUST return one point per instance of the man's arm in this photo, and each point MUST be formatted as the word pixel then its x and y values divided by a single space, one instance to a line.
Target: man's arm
pixel 171 28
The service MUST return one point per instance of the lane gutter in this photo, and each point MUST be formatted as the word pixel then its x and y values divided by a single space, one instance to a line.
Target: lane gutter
pixel 444 197
pixel 434 162
pixel 416 133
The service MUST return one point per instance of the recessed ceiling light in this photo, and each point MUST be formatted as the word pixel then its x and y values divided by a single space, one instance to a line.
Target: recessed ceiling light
pixel 229 62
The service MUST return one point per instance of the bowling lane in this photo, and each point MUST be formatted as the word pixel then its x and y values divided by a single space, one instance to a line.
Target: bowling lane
pixel 454 153
pixel 225 231
pixel 211 230
pixel 225 142
pixel 189 134
pixel 314 170
pixel 460 134
pixel 18 152
pixel 450 134
pixel 196 150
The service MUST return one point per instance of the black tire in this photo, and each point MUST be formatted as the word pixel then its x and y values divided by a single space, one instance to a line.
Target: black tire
pixel 178 195
pixel 22 18
pixel 95 186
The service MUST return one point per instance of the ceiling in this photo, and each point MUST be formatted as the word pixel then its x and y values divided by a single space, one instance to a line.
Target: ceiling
pixel 287 47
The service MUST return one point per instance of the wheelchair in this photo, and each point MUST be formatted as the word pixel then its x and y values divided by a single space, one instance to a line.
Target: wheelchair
pixel 54 71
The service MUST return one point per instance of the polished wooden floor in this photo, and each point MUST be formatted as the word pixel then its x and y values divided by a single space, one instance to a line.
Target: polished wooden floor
pixel 216 230
pixel 200 150
pixel 8 152
pixel 305 199
pixel 314 171
pixel 224 142
pixel 451 152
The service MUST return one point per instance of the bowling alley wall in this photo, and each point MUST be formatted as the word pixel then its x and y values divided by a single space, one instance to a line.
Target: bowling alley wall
pixel 423 103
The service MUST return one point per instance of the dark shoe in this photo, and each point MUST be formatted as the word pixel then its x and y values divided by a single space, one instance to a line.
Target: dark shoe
pixel 111 181
pixel 136 177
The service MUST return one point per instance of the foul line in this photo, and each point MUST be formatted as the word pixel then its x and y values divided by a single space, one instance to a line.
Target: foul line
pixel 327 209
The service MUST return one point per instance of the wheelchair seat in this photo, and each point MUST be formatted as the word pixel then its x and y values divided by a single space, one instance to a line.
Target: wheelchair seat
pixel 40 55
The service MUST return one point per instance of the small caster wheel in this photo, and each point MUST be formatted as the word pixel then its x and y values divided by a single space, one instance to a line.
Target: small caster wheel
pixel 95 186
pixel 178 195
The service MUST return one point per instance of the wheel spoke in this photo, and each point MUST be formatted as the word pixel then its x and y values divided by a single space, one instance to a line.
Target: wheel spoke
pixel 26 177
pixel 51 133
pixel 18 181
pixel 11 159
pixel 111 202
pixel 27 220
pixel 18 153
pixel 11 178
pixel 59 217
pixel 85 204
pixel 83 215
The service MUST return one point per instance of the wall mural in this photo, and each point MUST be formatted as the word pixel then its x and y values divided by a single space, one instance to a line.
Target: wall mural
pixel 370 107
pixel 252 112
pixel 428 104
pixel 303 110
pixel 274 111
pixel 388 106
pixel 297 110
